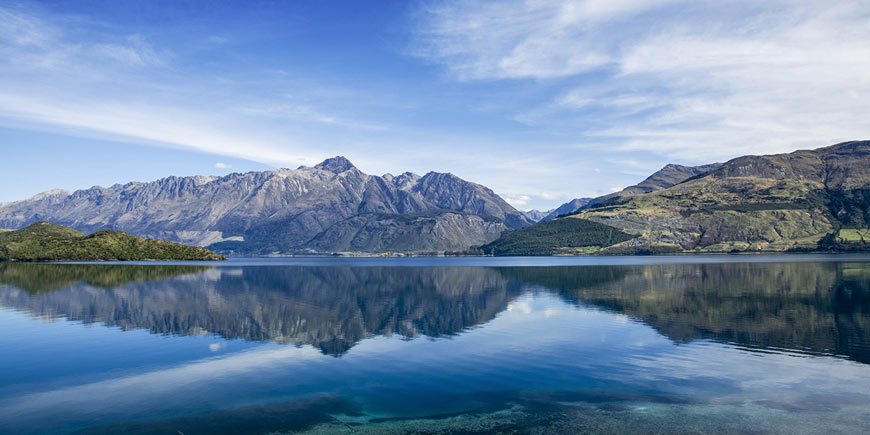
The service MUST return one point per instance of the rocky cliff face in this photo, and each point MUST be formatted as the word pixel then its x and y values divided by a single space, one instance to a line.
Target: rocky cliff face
pixel 330 207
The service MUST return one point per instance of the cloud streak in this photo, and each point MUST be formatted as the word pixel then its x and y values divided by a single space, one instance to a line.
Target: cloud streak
pixel 698 81
pixel 79 77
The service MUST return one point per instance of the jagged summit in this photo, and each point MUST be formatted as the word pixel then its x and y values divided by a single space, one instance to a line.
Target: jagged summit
pixel 336 164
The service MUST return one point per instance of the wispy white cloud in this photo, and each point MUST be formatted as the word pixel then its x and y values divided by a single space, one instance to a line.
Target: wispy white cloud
pixel 222 165
pixel 158 125
pixel 518 200
pixel 524 39
pixel 690 80
pixel 77 77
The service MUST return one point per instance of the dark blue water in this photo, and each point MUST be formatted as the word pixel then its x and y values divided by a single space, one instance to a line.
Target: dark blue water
pixel 724 344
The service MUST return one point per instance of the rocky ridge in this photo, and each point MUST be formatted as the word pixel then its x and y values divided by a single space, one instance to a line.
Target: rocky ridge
pixel 803 200
pixel 330 207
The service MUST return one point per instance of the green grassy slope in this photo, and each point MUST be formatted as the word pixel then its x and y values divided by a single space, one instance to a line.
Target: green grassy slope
pixel 560 236
pixel 46 241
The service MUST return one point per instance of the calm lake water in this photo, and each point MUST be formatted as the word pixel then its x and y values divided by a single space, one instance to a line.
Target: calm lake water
pixel 705 344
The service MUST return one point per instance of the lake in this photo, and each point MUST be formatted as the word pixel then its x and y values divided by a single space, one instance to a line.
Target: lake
pixel 692 344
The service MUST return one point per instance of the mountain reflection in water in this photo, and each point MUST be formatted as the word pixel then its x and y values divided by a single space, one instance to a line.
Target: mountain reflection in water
pixel 331 308
pixel 817 308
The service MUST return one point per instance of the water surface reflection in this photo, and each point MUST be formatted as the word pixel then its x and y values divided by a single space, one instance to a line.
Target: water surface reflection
pixel 723 347
pixel 807 307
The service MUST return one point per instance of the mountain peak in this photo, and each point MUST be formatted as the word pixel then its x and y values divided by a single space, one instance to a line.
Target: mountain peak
pixel 336 164
pixel 49 193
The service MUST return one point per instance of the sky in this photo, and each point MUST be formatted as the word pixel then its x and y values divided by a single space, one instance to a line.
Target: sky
pixel 542 101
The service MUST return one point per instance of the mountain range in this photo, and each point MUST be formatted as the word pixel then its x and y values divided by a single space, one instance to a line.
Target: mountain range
pixel 800 201
pixel 331 207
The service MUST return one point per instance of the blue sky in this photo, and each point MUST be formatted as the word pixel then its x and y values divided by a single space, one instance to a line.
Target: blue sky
pixel 543 101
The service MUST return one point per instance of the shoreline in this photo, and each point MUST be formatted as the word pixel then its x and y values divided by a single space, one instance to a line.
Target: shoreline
pixel 592 255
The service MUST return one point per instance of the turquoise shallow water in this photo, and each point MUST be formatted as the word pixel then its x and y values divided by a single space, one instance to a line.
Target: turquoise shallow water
pixel 718 344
